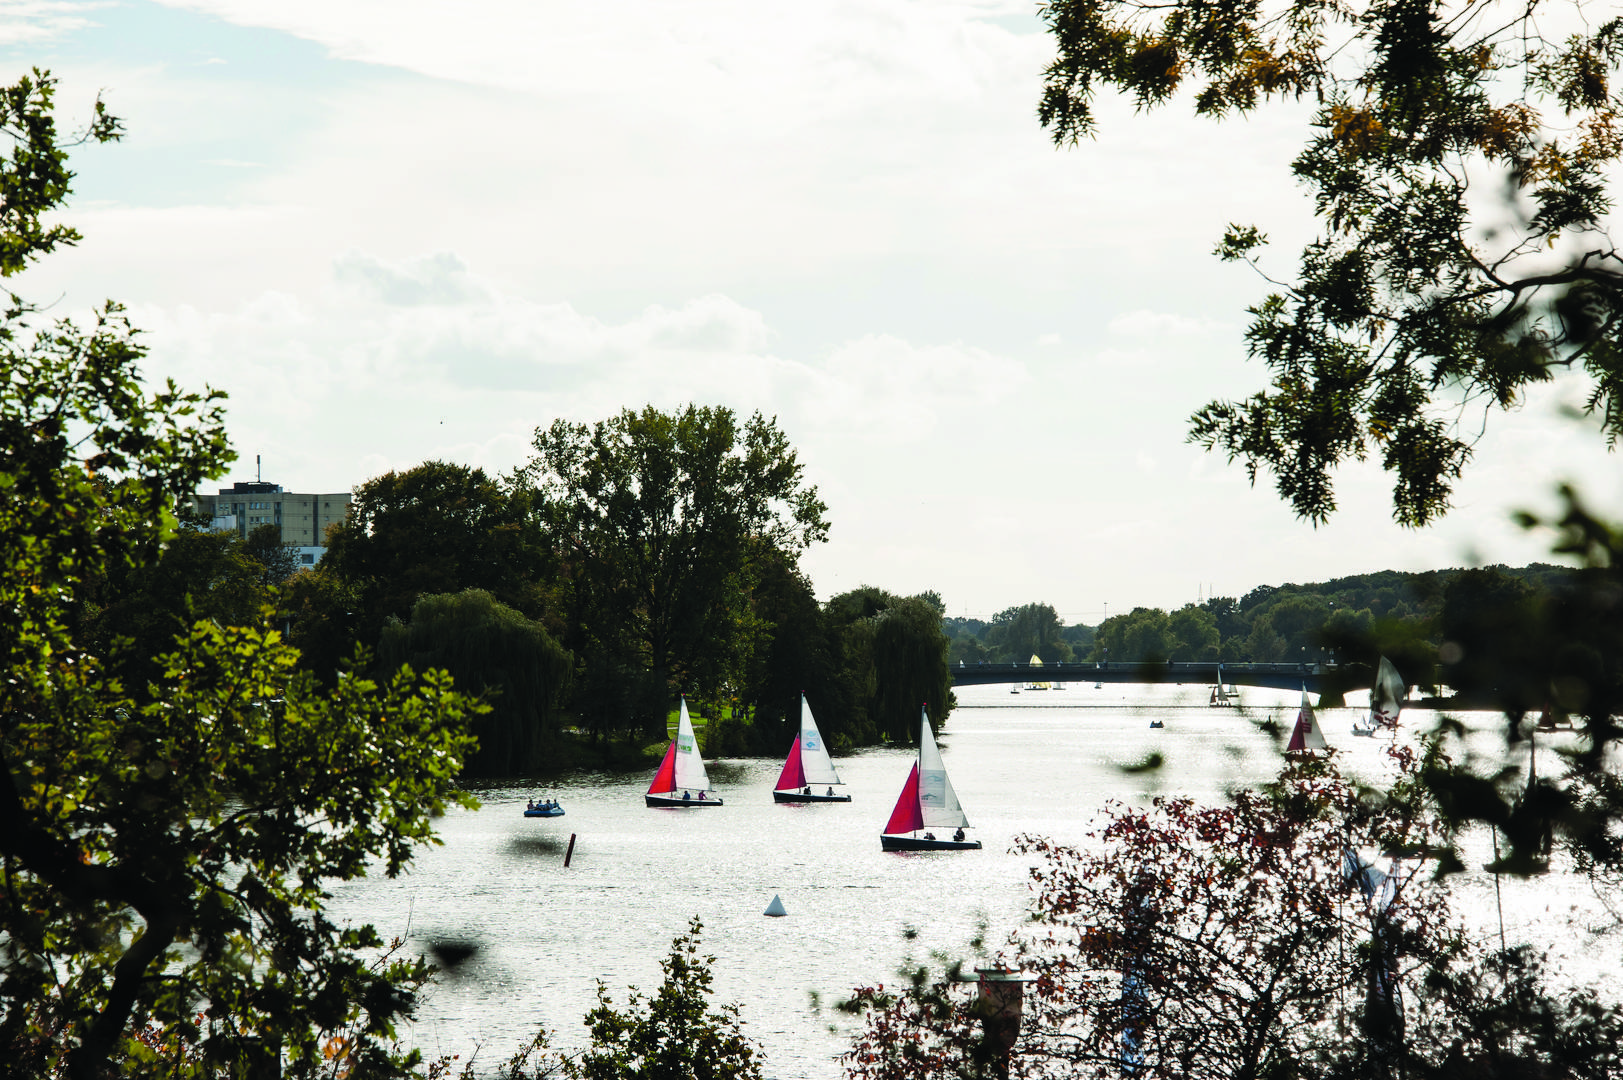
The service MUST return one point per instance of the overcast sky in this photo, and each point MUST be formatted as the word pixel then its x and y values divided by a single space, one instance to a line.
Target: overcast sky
pixel 396 230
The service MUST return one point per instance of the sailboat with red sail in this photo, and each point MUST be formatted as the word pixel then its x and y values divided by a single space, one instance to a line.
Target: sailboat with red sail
pixel 927 802
pixel 681 780
pixel 808 766
pixel 1306 736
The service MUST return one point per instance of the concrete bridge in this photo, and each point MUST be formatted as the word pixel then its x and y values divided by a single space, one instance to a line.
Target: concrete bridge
pixel 1328 682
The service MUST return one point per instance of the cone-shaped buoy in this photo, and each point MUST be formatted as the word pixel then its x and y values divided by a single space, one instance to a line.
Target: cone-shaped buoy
pixel 775 908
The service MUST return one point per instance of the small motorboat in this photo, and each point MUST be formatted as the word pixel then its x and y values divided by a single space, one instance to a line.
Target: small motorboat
pixel 543 808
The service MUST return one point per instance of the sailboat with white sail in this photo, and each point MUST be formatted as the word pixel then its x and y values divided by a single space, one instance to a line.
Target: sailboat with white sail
pixel 927 802
pixel 1306 736
pixel 681 779
pixel 808 766
pixel 1385 700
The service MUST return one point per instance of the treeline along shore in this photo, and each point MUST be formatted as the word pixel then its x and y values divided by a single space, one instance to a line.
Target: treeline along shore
pixel 654 554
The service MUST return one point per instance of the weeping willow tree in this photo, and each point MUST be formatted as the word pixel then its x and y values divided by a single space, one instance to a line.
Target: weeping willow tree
pixel 892 656
pixel 489 649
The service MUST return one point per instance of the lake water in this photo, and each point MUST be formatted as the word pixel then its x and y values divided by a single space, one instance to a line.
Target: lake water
pixel 1037 762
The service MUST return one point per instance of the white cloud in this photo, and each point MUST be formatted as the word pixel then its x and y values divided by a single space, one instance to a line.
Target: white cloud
pixel 1153 324
pixel 35 22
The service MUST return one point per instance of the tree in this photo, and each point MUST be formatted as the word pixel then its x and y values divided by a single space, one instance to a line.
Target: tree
pixel 492 650
pixel 910 668
pixel 1142 635
pixel 892 656
pixel 659 516
pixel 133 612
pixel 436 528
pixel 1195 632
pixel 277 560
pixel 1459 162
pixel 1018 633
pixel 674 1035
pixel 166 853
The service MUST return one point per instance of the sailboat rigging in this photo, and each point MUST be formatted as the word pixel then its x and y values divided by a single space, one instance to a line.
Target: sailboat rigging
pixel 808 766
pixel 681 779
pixel 927 801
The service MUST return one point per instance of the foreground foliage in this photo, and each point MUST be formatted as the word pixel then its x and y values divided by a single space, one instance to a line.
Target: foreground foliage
pixel 674 1035
pixel 1460 161
pixel 1231 942
pixel 165 845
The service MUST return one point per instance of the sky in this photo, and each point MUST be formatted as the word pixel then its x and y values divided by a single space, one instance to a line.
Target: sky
pixel 405 231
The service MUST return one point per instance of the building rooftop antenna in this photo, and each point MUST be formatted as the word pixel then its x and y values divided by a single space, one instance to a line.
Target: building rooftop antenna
pixel 259 472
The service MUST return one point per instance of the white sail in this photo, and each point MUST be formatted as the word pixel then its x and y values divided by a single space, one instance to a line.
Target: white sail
pixel 690 774
pixel 938 803
pixel 1386 696
pixel 814 760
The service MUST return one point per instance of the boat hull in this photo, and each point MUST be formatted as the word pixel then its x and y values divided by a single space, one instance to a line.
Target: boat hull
pixel 798 796
pixel 666 800
pixel 556 811
pixel 888 842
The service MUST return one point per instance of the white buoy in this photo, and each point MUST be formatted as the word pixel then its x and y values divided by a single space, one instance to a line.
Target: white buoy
pixel 775 908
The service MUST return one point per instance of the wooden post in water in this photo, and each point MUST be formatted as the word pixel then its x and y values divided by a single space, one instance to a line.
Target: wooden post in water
pixel 571 852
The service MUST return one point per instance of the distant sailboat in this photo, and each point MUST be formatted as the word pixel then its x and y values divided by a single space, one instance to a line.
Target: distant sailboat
pixel 927 802
pixel 808 765
pixel 1036 684
pixel 1306 736
pixel 681 779
pixel 1385 700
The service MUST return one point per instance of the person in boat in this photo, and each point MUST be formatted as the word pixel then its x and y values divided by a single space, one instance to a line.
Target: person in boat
pixel 701 796
pixel 959 836
pixel 529 804
pixel 831 793
pixel 929 836
pixel 686 796
pixel 806 790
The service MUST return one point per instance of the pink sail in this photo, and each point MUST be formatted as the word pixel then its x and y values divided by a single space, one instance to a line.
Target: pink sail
pixel 793 775
pixel 1306 736
pixel 665 778
pixel 907 817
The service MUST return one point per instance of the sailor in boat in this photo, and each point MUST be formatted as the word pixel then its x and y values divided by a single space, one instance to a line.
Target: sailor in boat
pixel 686 796
pixel 807 790
pixel 830 792
pixel 929 836
pixel 959 836
pixel 701 796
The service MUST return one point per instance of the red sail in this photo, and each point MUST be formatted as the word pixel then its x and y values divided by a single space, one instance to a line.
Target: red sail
pixel 665 778
pixel 793 776
pixel 907 817
pixel 1298 743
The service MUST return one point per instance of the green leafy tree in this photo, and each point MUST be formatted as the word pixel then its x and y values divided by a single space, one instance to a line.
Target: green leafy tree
pixel 134 611
pixel 659 516
pixel 1460 161
pixel 1019 633
pixel 164 856
pixel 277 561
pixel 673 1035
pixel 436 528
pixel 910 668
pixel 1194 632
pixel 490 650
pixel 892 658
pixel 1142 635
